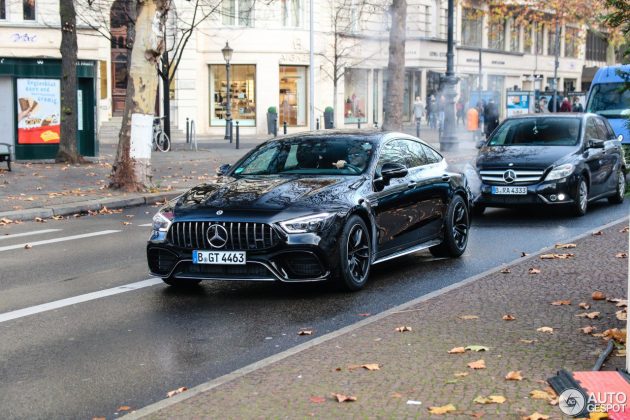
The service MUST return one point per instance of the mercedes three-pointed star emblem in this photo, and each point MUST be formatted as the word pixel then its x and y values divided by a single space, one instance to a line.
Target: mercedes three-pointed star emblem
pixel 509 176
pixel 217 236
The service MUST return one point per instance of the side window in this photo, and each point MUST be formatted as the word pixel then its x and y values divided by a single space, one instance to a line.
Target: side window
pixel 432 155
pixel 591 132
pixel 610 133
pixel 602 131
pixel 417 155
pixel 395 151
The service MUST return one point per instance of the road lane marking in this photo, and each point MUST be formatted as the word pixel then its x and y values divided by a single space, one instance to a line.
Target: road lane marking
pixel 57 304
pixel 35 232
pixel 146 225
pixel 62 239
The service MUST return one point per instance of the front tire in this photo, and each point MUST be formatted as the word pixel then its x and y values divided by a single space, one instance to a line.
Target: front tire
pixel 456 229
pixel 620 191
pixel 162 142
pixel 355 254
pixel 580 205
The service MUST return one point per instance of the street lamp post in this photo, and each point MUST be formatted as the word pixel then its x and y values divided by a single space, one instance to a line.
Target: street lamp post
pixel 448 141
pixel 227 55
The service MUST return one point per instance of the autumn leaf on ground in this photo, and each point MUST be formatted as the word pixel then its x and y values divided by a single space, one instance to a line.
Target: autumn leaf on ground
pixel 616 334
pixel 561 302
pixel 126 223
pixel 461 374
pixel 589 315
pixel 621 255
pixel 479 364
pixel 537 394
pixel 28 246
pixel 396 395
pixel 524 254
pixel 344 398
pixel 468 317
pixel 621 353
pixel 305 332
pixel 176 391
pixel 457 350
pixel 622 315
pixel 618 301
pixel 40 220
pixel 403 329
pixel 124 408
pixel 545 330
pixel 508 317
pixel 588 329
pixel 492 399
pixel 514 375
pixel 556 256
pixel 597 295
pixel 317 400
pixel 534 271
pixel 536 416
pixel 477 348
pixel 584 305
pixel 57 217
pixel 364 314
pixel 506 271
pixel 625 230
pixel 371 366
pixel 443 409
pixel 522 340
pixel 622 303
pixel 598 233
pixel 565 246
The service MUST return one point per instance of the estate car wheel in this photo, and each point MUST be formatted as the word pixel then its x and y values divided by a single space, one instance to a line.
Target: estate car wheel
pixel 180 283
pixel 581 198
pixel 620 191
pixel 456 228
pixel 355 253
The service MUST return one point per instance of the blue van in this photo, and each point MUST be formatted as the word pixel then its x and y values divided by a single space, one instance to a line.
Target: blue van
pixel 608 98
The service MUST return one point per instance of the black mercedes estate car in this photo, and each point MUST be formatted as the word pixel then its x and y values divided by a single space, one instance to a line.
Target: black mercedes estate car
pixel 312 207
pixel 551 160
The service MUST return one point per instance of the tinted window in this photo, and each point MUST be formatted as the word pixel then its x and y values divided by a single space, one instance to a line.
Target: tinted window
pixel 395 151
pixel 432 155
pixel 416 157
pixel 541 131
pixel 596 130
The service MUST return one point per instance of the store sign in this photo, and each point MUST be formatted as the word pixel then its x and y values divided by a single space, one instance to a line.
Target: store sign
pixel 38 110
pixel 25 38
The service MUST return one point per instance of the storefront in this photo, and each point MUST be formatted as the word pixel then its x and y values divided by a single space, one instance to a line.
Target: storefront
pixel 356 95
pixel 242 94
pixel 292 97
pixel 30 106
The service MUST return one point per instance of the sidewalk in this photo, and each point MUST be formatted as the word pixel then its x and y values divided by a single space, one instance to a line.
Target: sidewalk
pixel 415 370
pixel 45 189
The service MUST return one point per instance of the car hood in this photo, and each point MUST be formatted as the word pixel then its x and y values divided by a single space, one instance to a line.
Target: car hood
pixel 526 157
pixel 268 193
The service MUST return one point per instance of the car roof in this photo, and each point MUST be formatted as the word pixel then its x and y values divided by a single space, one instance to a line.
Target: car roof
pixel 554 115
pixel 372 135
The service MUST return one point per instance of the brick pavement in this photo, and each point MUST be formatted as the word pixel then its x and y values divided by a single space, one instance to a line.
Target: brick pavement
pixel 416 365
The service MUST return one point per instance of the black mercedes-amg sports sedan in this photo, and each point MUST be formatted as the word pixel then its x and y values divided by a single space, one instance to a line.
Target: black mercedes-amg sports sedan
pixel 311 207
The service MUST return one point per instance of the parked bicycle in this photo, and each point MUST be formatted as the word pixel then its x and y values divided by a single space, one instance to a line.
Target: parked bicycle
pixel 161 141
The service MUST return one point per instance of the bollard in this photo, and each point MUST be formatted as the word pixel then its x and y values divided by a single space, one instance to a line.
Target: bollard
pixel 418 128
pixel 284 127
pixel 275 128
pixel 375 124
pixel 359 124
pixel 187 131
pixel 317 125
pixel 238 135
pixel 230 132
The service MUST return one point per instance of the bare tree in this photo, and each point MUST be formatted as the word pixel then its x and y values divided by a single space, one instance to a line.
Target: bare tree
pixel 132 166
pixel 396 67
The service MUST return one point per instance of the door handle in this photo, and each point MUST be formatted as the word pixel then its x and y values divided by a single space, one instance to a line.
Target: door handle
pixel 446 177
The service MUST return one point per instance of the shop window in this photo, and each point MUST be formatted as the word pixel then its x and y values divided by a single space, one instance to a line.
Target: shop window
pixel 291 13
pixel 238 12
pixel 472 20
pixel 356 91
pixel 496 35
pixel 28 9
pixel 292 98
pixel 242 94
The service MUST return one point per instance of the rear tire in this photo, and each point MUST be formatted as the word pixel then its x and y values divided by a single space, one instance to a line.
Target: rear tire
pixel 355 254
pixel 620 191
pixel 580 205
pixel 162 142
pixel 456 229
pixel 180 283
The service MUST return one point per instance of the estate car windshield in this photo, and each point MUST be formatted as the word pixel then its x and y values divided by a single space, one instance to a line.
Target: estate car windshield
pixel 308 156
pixel 539 131
pixel 609 99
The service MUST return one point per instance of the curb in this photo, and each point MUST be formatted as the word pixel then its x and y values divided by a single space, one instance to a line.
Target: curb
pixel 90 205
pixel 214 383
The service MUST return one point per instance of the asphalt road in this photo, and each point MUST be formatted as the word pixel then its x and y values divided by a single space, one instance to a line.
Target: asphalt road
pixel 87 358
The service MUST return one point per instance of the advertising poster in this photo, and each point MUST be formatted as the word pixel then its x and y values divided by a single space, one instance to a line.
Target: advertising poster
pixel 517 103
pixel 38 110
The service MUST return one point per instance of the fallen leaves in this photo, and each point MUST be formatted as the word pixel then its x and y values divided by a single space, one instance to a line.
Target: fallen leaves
pixel 622 315
pixel 588 329
pixel 625 230
pixel 561 302
pixel 597 295
pixel 468 317
pixel 460 374
pixel 536 416
pixel 615 334
pixel 40 220
pixel 344 398
pixel 546 395
pixel 317 400
pixel 403 329
pixel 28 246
pixel 514 375
pixel 565 246
pixel 457 350
pixel 445 409
pixel 523 340
pixel 305 332
pixel 371 366
pixel 124 408
pixel 492 399
pixel 621 255
pixel 479 364
pixel 508 317
pixel 545 330
pixel 176 391
pixel 589 315
pixel 506 271
pixel 556 256
pixel 477 348
pixel 584 305
pixel 534 271
pixel 598 233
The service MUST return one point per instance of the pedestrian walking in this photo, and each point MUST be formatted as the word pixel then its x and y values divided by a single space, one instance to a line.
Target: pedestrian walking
pixel 472 122
pixel 433 113
pixel 566 105
pixel 554 104
pixel 577 106
pixel 418 114
pixel 491 117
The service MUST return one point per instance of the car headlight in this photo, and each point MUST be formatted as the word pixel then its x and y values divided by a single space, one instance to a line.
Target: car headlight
pixel 311 223
pixel 560 172
pixel 162 221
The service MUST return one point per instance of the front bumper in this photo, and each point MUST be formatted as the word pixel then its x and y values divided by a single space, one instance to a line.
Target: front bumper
pixel 552 193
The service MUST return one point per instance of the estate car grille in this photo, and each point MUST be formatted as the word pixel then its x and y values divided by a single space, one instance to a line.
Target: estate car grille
pixel 240 236
pixel 514 176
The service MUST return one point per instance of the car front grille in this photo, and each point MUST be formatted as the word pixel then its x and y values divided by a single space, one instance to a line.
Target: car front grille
pixel 523 177
pixel 161 261
pixel 240 236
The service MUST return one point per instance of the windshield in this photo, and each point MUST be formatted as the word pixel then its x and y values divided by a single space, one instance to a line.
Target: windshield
pixel 609 99
pixel 542 131
pixel 308 156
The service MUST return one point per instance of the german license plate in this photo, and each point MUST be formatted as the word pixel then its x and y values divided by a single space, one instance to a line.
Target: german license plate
pixel 509 190
pixel 219 257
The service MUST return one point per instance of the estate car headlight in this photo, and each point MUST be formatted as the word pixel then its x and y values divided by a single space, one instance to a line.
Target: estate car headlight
pixel 162 220
pixel 311 223
pixel 560 172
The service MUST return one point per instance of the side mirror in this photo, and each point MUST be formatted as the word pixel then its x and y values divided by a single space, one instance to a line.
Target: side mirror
pixel 480 144
pixel 223 169
pixel 620 137
pixel 595 144
pixel 393 170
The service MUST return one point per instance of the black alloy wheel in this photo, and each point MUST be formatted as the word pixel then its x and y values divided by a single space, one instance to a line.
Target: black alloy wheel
pixel 580 205
pixel 456 230
pixel 620 190
pixel 355 254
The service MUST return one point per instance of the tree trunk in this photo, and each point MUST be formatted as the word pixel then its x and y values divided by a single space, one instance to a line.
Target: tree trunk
pixel 166 98
pixel 68 141
pixel 396 67
pixel 131 171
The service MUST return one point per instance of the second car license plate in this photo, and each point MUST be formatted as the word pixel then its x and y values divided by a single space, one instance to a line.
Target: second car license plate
pixel 509 190
pixel 219 257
